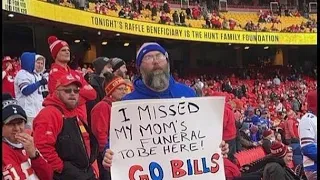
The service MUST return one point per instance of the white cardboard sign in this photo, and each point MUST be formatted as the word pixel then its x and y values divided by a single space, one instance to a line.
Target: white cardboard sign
pixel 167 139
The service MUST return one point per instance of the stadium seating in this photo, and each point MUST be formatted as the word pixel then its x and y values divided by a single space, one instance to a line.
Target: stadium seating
pixel 313 16
pixel 240 17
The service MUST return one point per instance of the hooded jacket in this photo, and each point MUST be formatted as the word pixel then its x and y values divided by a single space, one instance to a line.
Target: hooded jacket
pixel 86 92
pixel 229 120
pixel 47 126
pixel 26 86
pixel 175 90
pixel 97 83
pixel 277 169
pixel 42 74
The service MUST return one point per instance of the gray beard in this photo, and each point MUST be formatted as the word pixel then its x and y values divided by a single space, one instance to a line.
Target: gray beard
pixel 157 80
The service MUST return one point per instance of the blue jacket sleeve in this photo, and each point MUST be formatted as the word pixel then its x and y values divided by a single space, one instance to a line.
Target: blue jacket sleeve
pixel 310 151
pixel 105 148
pixel 30 88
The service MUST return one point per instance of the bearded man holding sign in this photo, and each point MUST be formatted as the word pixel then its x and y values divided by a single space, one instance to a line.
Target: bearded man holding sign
pixel 173 119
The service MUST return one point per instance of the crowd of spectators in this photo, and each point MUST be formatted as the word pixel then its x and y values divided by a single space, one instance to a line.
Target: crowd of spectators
pixel 212 18
pixel 262 112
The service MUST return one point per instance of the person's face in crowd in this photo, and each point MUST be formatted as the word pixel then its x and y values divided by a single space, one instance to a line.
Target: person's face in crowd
pixel 107 68
pixel 39 64
pixel 155 70
pixel 258 113
pixel 278 137
pixel 119 92
pixel 288 157
pixel 122 71
pixel 64 55
pixel 69 95
pixel 12 128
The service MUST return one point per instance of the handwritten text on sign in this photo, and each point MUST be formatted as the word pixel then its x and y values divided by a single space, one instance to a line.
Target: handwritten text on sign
pixel 167 139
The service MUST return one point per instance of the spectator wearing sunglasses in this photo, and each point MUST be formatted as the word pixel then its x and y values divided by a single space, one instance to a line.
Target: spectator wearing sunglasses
pixel 62 136
pixel 20 158
pixel 60 52
pixel 26 86
pixel 114 87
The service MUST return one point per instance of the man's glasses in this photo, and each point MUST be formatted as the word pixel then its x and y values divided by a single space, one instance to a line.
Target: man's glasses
pixel 149 58
pixel 69 91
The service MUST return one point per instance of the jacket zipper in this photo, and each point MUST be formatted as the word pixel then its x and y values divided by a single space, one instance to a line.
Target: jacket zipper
pixel 83 145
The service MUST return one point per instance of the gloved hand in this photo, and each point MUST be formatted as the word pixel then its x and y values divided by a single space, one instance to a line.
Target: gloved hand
pixel 43 81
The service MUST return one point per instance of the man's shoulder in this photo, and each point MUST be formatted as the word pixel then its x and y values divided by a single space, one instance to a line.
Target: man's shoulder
pixel 94 80
pixel 308 117
pixel 184 90
pixel 180 85
pixel 102 104
pixel 22 73
pixel 133 95
pixel 48 111
pixel 11 155
pixel 6 148
pixel 275 166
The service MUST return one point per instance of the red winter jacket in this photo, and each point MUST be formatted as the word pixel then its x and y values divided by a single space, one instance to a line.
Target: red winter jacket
pixel 48 124
pixel 229 124
pixel 16 165
pixel 291 128
pixel 229 121
pixel 231 170
pixel 100 121
pixel 86 92
pixel 8 82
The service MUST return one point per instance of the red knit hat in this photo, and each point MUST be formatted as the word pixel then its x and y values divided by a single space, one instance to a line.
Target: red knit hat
pixel 267 133
pixel 113 84
pixel 55 45
pixel 278 149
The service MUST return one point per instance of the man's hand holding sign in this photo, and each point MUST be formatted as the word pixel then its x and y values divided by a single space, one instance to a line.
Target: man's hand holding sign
pixel 167 139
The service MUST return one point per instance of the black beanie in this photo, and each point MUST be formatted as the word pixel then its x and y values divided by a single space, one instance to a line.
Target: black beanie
pixel 99 63
pixel 11 110
pixel 117 63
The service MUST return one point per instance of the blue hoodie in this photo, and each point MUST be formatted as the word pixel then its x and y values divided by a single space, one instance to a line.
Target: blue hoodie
pixel 175 90
pixel 28 61
pixel 141 91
